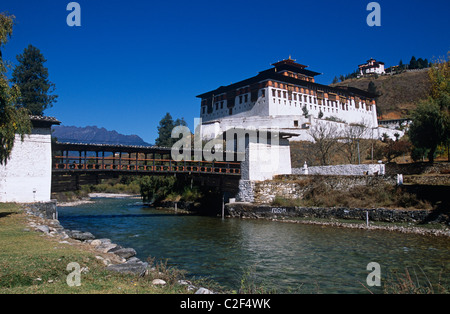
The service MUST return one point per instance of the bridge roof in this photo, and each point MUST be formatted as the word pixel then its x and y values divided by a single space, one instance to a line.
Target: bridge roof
pixel 110 148
pixel 113 148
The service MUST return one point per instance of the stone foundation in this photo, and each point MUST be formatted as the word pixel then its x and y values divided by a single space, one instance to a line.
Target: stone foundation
pixel 45 210
pixel 376 214
pixel 293 187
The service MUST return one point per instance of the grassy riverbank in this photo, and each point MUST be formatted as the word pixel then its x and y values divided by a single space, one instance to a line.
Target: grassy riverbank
pixel 34 263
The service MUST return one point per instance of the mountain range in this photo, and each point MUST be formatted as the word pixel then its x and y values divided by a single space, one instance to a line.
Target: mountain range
pixel 95 135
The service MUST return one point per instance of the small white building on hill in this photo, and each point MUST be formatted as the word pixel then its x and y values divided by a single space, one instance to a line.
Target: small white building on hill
pixel 371 67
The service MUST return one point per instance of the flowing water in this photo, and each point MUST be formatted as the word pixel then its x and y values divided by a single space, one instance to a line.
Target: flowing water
pixel 283 257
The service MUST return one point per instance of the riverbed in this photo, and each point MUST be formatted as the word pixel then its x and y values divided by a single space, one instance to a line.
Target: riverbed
pixel 281 257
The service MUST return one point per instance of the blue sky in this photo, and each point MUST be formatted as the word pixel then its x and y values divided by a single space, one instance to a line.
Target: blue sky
pixel 132 61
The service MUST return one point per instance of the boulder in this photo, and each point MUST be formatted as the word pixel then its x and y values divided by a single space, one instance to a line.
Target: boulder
pixel 204 291
pixel 82 236
pixel 106 247
pixel 124 252
pixel 133 268
pixel 157 282
pixel 43 228
pixel 96 242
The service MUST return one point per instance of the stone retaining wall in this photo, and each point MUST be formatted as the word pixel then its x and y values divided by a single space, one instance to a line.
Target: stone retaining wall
pixel 418 168
pixel 379 214
pixel 295 186
pixel 45 210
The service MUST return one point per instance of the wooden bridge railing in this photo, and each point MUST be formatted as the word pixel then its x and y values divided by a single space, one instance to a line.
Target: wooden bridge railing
pixel 86 163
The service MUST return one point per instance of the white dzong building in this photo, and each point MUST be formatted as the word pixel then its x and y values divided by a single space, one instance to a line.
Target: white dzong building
pixel 371 67
pixel 285 97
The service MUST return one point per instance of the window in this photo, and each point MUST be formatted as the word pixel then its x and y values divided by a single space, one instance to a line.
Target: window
pixel 273 93
pixel 263 93
pixel 296 123
pixel 245 97
pixel 221 105
pixel 240 99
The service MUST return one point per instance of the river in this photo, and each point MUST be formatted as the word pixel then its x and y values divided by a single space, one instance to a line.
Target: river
pixel 282 257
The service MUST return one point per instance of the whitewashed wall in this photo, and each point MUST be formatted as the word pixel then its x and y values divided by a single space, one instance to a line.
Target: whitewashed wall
pixel 264 161
pixel 285 123
pixel 343 170
pixel 26 178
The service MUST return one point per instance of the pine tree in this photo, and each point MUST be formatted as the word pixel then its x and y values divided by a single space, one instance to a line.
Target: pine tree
pixel 413 63
pixel 32 78
pixel 166 125
pixel 372 88
pixel 13 120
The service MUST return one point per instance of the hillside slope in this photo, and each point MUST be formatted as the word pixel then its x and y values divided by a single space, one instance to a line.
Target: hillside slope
pixel 399 93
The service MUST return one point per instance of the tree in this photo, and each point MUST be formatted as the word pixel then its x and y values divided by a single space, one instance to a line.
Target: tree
pixel 13 119
pixel 431 119
pixel 166 125
pixel 335 80
pixel 325 137
pixel 413 63
pixel 372 88
pixel 156 188
pixel 351 141
pixel 394 149
pixel 429 127
pixel 32 78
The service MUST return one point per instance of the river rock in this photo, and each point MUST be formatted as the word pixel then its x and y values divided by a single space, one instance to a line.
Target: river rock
pixel 204 291
pixel 43 228
pixel 82 236
pixel 124 252
pixel 157 282
pixel 106 247
pixel 96 242
pixel 133 268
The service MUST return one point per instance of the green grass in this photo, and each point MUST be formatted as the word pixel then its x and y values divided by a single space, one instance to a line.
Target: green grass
pixel 32 263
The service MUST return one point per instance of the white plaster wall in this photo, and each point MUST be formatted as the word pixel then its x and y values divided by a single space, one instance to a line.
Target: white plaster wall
pixel 344 170
pixel 264 161
pixel 286 123
pixel 26 178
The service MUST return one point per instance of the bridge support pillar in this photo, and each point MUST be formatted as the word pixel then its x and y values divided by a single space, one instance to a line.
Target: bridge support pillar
pixel 267 154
